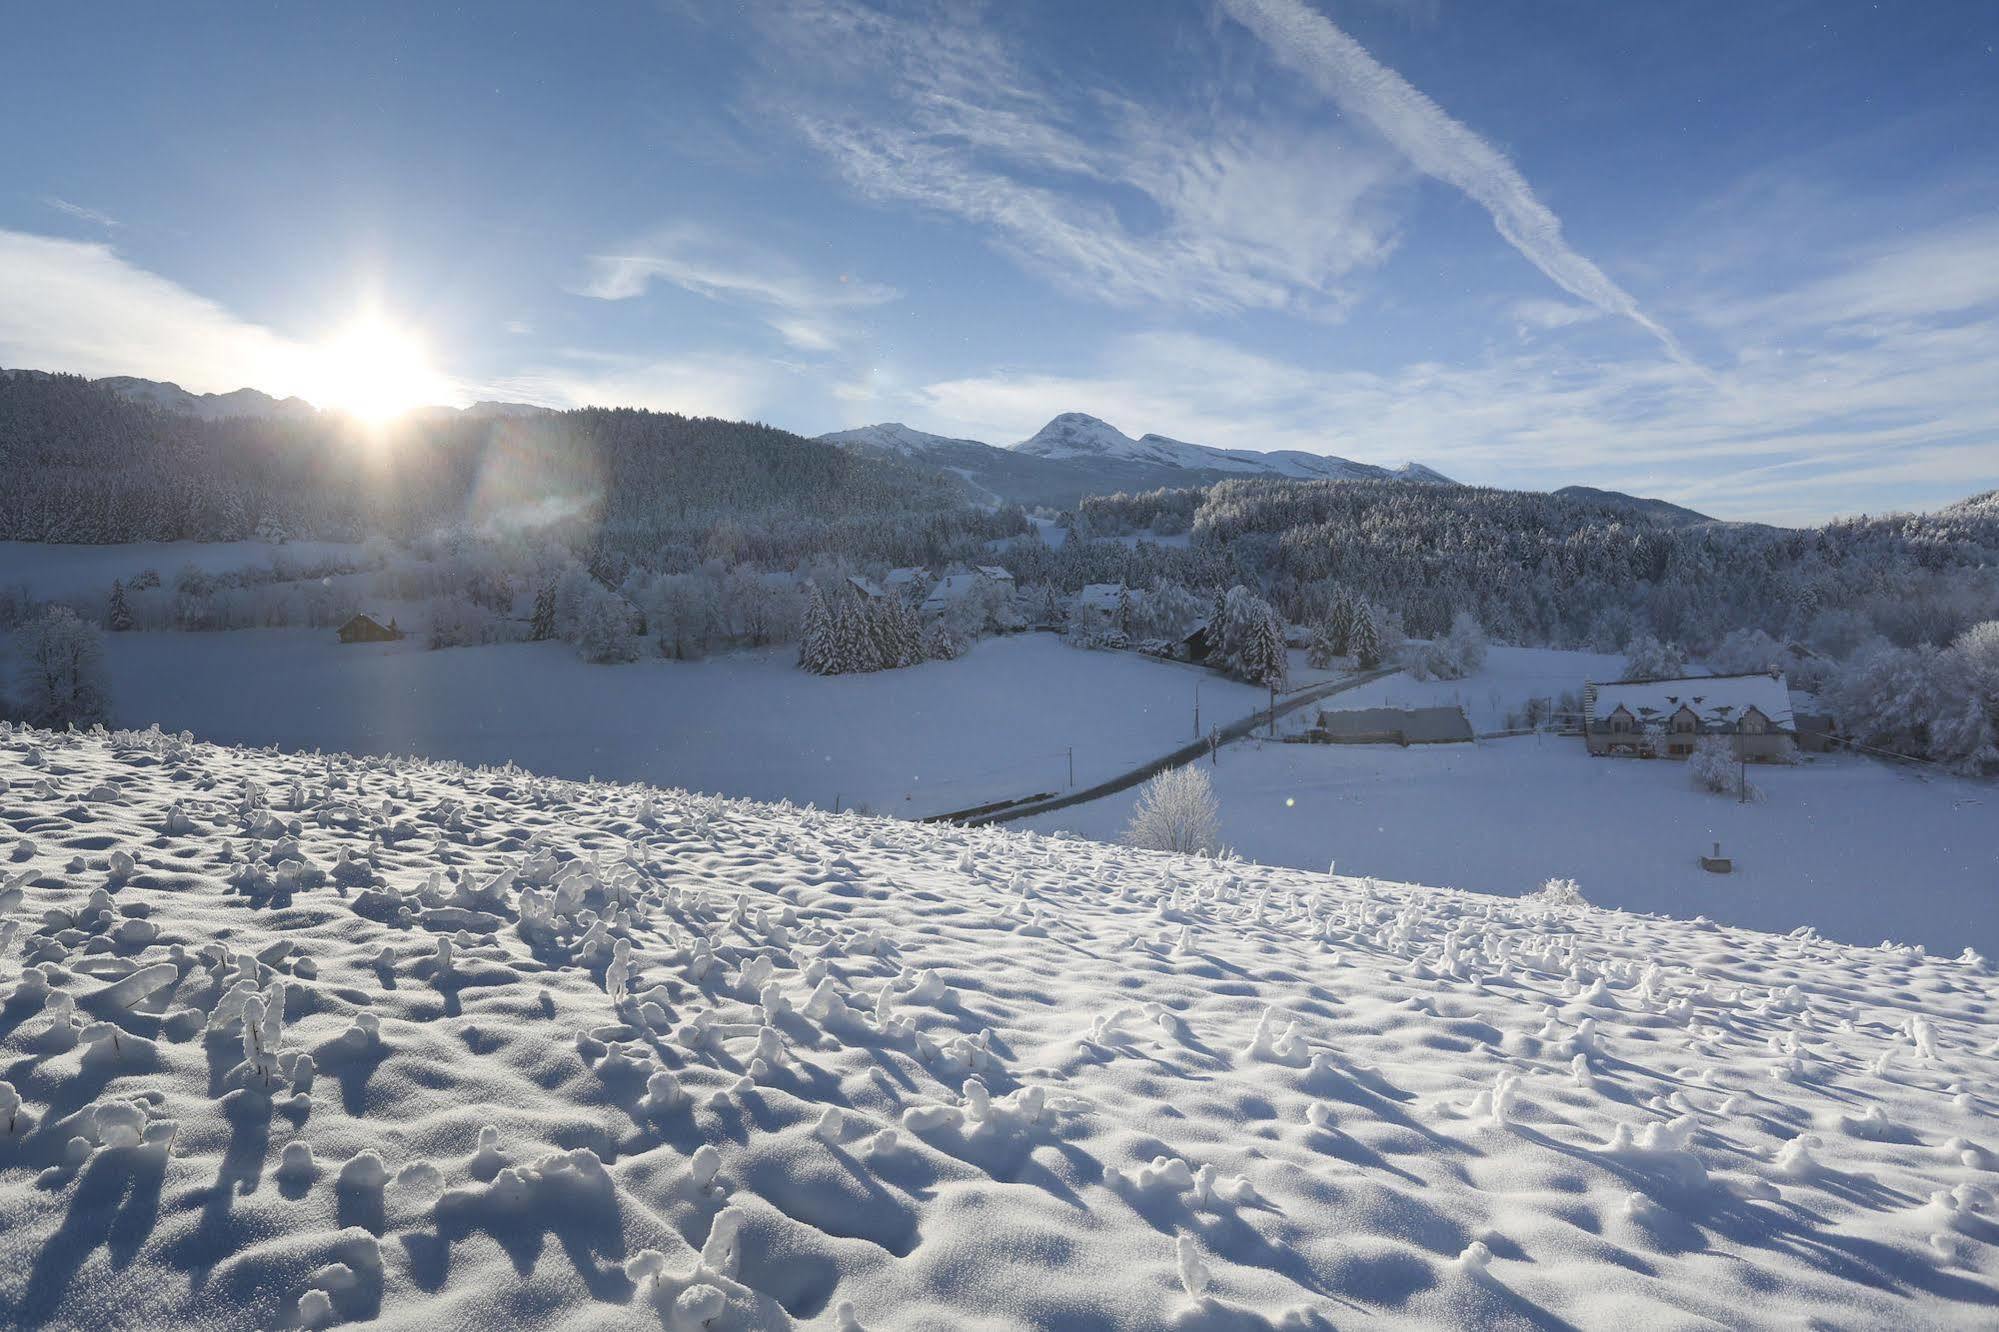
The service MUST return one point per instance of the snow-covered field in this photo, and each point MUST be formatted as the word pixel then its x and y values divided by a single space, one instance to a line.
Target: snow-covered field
pixel 994 724
pixel 63 572
pixel 305 1040
pixel 1862 850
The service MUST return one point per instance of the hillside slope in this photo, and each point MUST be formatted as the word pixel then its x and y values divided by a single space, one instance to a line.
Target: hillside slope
pixel 305 1039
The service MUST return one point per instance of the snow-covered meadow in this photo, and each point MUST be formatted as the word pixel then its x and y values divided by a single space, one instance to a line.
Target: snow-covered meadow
pixel 82 573
pixel 1860 849
pixel 994 724
pixel 299 1040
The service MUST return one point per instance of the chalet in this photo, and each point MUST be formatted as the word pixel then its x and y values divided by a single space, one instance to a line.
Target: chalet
pixel 992 573
pixel 366 629
pixel 867 589
pixel 1665 718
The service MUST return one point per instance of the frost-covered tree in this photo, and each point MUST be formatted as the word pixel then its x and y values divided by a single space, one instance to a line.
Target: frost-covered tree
pixel 1647 658
pixel 1177 811
pixel 61 680
pixel 604 631
pixel 1925 702
pixel 460 622
pixel 1744 650
pixel 1451 656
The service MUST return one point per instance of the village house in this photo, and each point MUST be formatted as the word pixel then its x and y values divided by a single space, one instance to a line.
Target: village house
pixel 953 588
pixel 1666 718
pixel 366 629
pixel 908 583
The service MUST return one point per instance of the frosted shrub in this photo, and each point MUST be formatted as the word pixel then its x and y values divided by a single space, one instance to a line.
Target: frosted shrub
pixel 1559 895
pixel 1177 811
pixel 1714 767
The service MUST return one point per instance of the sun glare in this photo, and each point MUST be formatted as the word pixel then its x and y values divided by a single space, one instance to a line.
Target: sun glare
pixel 374 370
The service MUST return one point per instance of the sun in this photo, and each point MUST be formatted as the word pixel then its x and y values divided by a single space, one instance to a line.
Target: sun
pixel 374 369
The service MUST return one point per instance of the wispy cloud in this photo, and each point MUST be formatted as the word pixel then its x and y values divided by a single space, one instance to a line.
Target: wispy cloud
pixel 1438 146
pixel 805 311
pixel 1238 211
pixel 79 306
pixel 1821 414
pixel 706 384
pixel 82 214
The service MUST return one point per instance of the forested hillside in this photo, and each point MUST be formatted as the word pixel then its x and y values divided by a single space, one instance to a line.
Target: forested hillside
pixel 1540 568
pixel 86 464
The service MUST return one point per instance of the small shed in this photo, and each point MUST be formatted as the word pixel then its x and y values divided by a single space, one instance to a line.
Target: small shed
pixel 1393 726
pixel 1195 644
pixel 367 629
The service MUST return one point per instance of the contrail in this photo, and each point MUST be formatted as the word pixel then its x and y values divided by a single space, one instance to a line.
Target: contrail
pixel 1439 147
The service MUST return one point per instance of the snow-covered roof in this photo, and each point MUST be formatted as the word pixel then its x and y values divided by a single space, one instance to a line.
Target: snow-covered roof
pixel 1717 700
pixel 905 577
pixel 867 587
pixel 994 572
pixel 951 588
pixel 1100 596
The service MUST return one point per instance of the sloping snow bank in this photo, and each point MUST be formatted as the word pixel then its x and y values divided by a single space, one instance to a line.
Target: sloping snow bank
pixel 294 1040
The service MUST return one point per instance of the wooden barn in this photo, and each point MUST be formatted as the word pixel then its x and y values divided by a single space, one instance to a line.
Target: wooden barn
pixel 366 629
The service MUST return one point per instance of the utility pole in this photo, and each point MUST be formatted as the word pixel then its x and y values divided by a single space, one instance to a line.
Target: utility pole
pixel 1072 767
pixel 1273 709
pixel 1197 707
pixel 1214 748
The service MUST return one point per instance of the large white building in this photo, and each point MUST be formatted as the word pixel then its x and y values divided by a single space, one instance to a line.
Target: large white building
pixel 1666 718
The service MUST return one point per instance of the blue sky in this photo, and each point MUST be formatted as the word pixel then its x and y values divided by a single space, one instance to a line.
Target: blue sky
pixel 1745 257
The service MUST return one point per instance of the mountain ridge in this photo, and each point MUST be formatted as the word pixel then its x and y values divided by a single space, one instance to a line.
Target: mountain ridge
pixel 1076 455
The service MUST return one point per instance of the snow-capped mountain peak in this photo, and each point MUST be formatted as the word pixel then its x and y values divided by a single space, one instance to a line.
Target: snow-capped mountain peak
pixel 895 437
pixel 1077 435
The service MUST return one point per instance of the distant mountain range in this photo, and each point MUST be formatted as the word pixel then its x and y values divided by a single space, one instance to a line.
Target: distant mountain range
pixel 1076 455
pixel 251 402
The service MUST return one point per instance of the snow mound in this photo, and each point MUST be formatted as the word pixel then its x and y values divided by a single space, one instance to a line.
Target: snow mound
pixel 422 1045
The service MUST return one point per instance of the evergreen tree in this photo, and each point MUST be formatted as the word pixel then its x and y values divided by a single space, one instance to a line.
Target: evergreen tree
pixel 119 617
pixel 815 639
pixel 1365 640
pixel 541 627
pixel 1321 654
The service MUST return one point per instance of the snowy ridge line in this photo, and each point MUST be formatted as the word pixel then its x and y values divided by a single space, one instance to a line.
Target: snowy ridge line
pixel 292 1040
